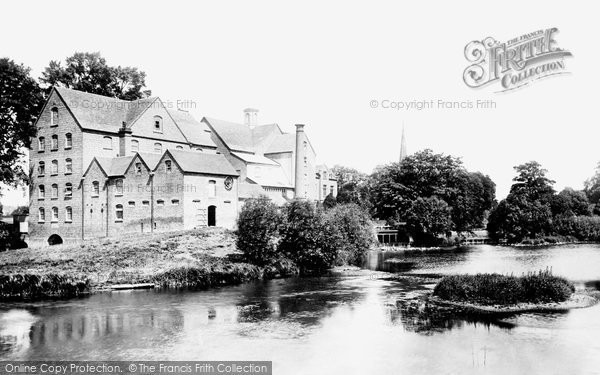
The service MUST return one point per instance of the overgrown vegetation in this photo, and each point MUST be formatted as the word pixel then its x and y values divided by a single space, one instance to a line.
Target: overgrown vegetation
pixel 496 289
pixel 198 258
pixel 303 233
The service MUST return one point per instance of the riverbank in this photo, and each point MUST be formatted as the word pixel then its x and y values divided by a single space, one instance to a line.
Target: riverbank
pixel 196 259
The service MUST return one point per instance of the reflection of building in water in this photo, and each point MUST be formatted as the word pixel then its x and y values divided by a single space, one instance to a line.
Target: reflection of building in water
pixel 14 332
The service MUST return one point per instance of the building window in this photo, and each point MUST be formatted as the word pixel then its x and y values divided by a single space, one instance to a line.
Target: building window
pixel 331 190
pixel 145 203
pixel 119 212
pixel 119 187
pixel 158 124
pixel 41 192
pixel 41 168
pixel 158 148
pixel 54 144
pixel 160 202
pixel 68 214
pixel 68 166
pixel 107 143
pixel 54 191
pixel 135 146
pixel 138 168
pixel 68 190
pixel 54 116
pixel 95 189
pixel 175 202
pixel 54 214
pixel 212 188
pixel 54 167
pixel 179 147
pixel 131 204
pixel 324 191
pixel 41 214
pixel 41 144
pixel 168 166
pixel 68 140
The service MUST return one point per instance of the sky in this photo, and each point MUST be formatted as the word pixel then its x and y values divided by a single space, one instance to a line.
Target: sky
pixel 323 63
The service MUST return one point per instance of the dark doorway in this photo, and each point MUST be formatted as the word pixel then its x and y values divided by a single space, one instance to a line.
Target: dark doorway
pixel 212 216
pixel 54 239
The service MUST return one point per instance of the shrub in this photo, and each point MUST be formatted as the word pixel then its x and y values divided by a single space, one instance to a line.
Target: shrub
pixel 357 233
pixel 258 230
pixel 307 238
pixel 491 289
pixel 329 202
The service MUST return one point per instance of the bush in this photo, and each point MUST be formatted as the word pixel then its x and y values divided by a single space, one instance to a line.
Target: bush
pixel 584 228
pixel 307 238
pixel 258 230
pixel 492 289
pixel 357 233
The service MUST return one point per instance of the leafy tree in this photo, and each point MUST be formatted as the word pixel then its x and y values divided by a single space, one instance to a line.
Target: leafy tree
pixel 329 201
pixel 592 187
pixel 21 210
pixel 429 215
pixel 89 72
pixel 20 102
pixel 402 191
pixel 356 230
pixel 526 211
pixel 258 230
pixel 307 238
pixel 570 203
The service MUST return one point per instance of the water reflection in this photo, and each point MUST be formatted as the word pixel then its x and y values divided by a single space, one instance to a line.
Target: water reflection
pixel 364 323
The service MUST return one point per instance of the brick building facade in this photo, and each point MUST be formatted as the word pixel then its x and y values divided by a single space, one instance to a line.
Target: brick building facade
pixel 102 166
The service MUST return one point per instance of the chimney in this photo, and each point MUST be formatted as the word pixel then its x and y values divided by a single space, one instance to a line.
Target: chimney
pixel 124 135
pixel 250 117
pixel 300 163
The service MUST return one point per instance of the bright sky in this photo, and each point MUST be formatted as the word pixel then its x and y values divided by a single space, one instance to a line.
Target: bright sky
pixel 321 63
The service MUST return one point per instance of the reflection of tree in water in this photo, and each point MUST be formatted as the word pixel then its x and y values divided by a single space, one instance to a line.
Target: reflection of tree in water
pixel 418 315
pixel 303 300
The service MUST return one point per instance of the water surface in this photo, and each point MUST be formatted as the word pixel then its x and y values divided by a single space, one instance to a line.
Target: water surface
pixel 364 323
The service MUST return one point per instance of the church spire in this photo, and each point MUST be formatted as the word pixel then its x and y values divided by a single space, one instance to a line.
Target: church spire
pixel 402 146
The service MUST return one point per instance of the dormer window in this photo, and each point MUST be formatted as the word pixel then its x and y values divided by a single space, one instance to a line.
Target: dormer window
pixel 54 116
pixel 158 124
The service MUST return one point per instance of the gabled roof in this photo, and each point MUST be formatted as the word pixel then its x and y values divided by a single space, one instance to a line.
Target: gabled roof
pixel 114 167
pixel 255 159
pixel 237 137
pixel 150 159
pixel 199 162
pixel 285 142
pixel 196 132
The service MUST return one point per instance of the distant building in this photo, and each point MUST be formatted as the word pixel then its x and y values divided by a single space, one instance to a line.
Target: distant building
pixel 102 166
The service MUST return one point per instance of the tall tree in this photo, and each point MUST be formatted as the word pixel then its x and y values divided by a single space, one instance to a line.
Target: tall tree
pixel 90 72
pixel 20 102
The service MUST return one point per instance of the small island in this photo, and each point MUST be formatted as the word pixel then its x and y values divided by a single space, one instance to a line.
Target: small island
pixel 495 293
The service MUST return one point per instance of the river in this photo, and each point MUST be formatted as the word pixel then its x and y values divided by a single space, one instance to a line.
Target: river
pixel 364 323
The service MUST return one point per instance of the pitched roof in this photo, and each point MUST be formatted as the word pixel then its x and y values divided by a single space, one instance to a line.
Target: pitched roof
pixel 236 137
pixel 150 159
pixel 199 162
pixel 115 166
pixel 285 142
pixel 196 132
pixel 252 158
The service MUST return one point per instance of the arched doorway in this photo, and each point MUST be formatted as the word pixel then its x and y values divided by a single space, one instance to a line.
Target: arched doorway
pixel 212 216
pixel 54 239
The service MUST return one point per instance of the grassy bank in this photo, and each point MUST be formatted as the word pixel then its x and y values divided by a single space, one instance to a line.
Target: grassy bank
pixel 199 258
pixel 496 289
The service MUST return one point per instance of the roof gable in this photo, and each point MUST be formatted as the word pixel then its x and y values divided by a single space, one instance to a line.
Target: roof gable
pixel 144 124
pixel 201 163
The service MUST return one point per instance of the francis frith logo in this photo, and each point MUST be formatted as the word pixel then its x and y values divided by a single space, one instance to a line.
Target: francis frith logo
pixel 514 63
